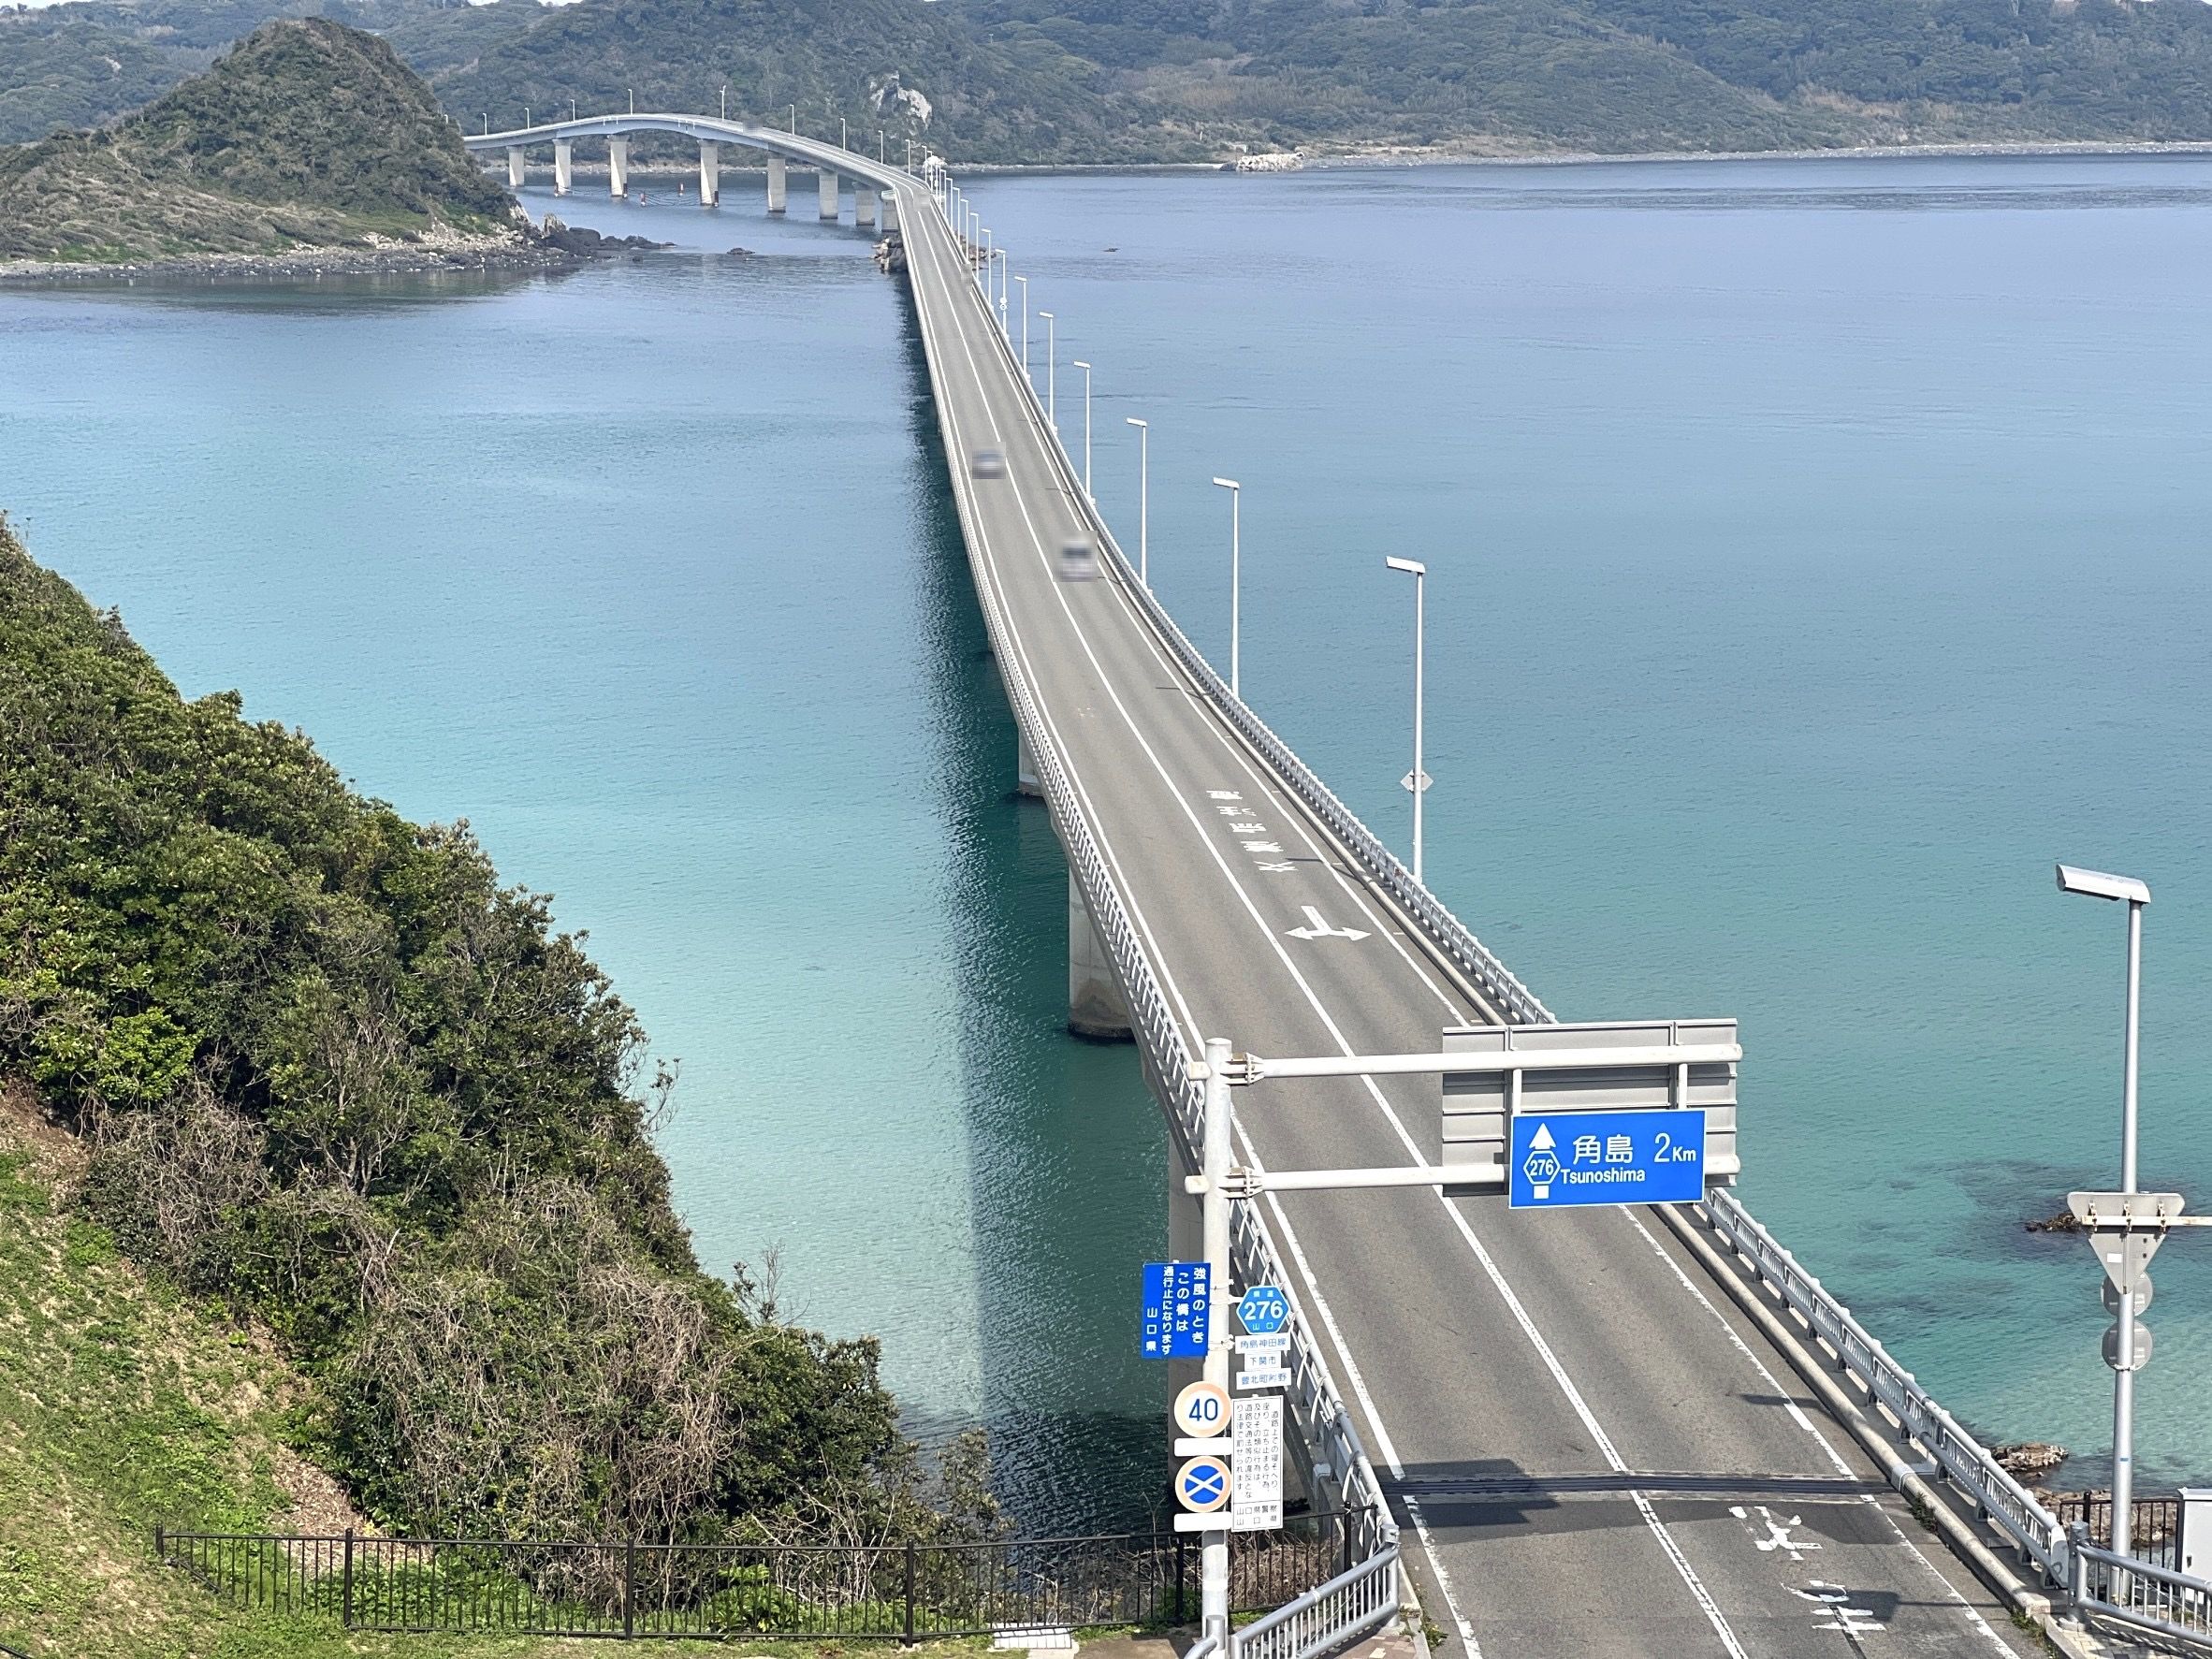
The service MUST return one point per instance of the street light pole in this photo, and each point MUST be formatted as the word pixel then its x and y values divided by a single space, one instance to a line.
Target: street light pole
pixel 1003 268
pixel 1144 499
pixel 1024 282
pixel 1087 429
pixel 1052 371
pixel 2096 884
pixel 1416 779
pixel 1236 496
pixel 794 120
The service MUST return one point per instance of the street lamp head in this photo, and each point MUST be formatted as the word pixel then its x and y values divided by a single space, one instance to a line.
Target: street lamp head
pixel 1135 422
pixel 1079 363
pixel 1407 565
pixel 1046 315
pixel 1229 484
pixel 2097 884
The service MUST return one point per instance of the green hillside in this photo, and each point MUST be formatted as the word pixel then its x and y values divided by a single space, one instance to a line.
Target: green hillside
pixel 324 1069
pixel 307 134
pixel 1104 81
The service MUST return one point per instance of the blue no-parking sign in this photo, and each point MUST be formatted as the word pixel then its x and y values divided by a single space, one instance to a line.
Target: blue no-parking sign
pixel 1560 1158
pixel 1202 1484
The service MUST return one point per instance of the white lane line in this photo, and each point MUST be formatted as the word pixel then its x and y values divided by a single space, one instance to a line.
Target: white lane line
pixel 1574 1396
pixel 1285 1232
pixel 1974 1614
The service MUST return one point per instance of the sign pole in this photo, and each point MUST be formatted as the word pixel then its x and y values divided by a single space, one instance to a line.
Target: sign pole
pixel 1214 1554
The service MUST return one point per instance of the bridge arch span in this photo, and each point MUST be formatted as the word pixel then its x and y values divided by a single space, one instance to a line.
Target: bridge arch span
pixel 873 181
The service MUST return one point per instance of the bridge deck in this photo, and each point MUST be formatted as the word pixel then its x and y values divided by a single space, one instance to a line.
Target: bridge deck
pixel 1493 1357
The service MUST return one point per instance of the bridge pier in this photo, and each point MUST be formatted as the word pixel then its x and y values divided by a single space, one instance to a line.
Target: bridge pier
pixel 891 209
pixel 617 168
pixel 564 168
pixel 1025 768
pixel 711 174
pixel 864 206
pixel 825 189
pixel 515 167
pixel 1095 1008
pixel 776 166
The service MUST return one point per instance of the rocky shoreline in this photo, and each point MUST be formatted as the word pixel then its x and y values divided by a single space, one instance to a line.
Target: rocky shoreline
pixel 553 246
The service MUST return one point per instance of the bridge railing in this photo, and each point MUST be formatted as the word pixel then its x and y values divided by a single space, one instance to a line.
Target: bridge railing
pixel 2009 1505
pixel 2137 1592
pixel 1313 1395
pixel 1998 1496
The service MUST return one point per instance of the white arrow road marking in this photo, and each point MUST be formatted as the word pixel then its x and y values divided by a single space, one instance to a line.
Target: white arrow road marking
pixel 1836 1604
pixel 1777 1532
pixel 1317 928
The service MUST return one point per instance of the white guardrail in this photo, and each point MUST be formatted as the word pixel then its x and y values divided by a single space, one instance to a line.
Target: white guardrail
pixel 2137 1592
pixel 1352 1604
pixel 1369 1593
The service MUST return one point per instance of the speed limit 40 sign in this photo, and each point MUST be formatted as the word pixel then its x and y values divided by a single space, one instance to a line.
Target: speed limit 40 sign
pixel 1201 1410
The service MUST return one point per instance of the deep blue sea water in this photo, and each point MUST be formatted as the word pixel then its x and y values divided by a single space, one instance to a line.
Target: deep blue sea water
pixel 1819 550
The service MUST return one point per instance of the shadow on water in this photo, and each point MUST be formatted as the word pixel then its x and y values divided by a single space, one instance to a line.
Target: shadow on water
pixel 1065 1148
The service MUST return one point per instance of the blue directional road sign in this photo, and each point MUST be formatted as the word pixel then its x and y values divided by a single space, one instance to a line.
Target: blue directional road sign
pixel 1263 1309
pixel 1606 1157
pixel 1202 1483
pixel 1177 1296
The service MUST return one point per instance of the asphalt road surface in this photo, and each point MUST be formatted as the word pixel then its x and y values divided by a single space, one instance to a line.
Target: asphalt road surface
pixel 1593 1452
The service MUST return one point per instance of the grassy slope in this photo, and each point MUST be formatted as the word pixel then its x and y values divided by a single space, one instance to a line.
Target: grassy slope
pixel 121 1404
pixel 308 133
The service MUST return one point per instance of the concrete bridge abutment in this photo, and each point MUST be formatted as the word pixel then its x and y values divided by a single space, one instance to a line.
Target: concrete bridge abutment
pixel 1095 1008
pixel 825 191
pixel 778 167
pixel 516 170
pixel 564 166
pixel 617 168
pixel 711 174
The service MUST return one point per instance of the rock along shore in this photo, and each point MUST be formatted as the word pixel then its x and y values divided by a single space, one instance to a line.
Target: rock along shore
pixel 553 247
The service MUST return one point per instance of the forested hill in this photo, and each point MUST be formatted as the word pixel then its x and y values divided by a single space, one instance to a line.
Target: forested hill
pixel 332 1073
pixel 1073 81
pixel 306 134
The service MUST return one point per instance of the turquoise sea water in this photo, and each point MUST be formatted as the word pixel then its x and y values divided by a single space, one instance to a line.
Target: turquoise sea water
pixel 1819 550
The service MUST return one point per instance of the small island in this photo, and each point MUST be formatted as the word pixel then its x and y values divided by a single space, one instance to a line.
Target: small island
pixel 310 148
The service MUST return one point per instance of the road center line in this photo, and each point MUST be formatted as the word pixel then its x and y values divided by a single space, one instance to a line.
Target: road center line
pixel 1573 1394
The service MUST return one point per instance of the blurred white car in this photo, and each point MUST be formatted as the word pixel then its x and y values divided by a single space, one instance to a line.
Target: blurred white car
pixel 1079 561
pixel 986 463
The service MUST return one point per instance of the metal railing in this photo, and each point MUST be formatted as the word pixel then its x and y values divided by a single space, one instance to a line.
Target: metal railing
pixel 1998 1495
pixel 1347 1608
pixel 1314 1399
pixel 642 1590
pixel 1167 1054
pixel 1319 1621
pixel 2154 1529
pixel 2137 1592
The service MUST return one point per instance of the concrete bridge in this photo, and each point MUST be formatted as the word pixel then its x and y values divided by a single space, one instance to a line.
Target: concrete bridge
pixel 831 164
pixel 1615 1432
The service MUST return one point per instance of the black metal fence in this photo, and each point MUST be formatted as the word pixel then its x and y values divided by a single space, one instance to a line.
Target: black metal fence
pixel 631 1590
pixel 2154 1525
